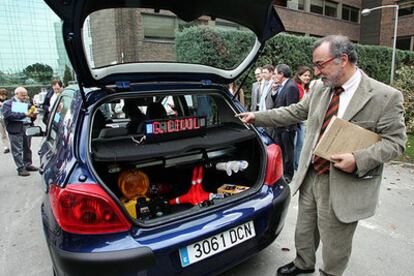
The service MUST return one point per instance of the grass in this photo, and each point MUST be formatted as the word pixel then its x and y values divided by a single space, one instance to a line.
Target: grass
pixel 408 155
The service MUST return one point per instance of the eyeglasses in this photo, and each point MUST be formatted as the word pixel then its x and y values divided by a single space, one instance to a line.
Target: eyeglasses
pixel 321 64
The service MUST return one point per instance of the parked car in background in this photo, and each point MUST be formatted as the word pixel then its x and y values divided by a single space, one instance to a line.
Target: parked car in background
pixel 177 184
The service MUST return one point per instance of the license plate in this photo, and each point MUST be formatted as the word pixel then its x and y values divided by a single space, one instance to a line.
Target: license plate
pixel 218 243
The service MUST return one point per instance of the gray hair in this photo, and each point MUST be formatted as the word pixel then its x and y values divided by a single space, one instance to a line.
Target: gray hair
pixel 19 89
pixel 339 45
pixel 284 69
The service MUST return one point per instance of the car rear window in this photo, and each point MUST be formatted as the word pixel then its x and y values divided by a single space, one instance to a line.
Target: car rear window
pixel 130 35
pixel 151 114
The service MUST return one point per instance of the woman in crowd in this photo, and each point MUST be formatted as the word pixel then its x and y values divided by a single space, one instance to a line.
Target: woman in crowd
pixel 303 77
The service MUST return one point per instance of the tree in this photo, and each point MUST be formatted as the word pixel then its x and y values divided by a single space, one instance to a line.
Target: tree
pixel 67 75
pixel 42 73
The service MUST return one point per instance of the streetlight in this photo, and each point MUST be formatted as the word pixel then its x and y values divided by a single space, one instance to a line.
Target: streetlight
pixel 366 12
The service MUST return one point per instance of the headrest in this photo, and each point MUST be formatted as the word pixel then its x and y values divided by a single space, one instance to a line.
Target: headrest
pixel 156 111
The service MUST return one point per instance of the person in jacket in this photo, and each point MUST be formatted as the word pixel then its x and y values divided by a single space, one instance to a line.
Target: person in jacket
pixel 51 96
pixel 286 93
pixel 334 196
pixel 302 78
pixel 266 88
pixel 18 116
pixel 3 133
pixel 256 90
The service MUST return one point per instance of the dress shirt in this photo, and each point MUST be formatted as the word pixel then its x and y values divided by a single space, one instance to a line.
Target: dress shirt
pixel 53 100
pixel 279 88
pixel 266 87
pixel 350 86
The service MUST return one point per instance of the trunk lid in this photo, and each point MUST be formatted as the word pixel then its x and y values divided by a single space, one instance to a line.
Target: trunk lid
pixel 108 41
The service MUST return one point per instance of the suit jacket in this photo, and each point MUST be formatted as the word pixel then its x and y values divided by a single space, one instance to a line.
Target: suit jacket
pixel 374 106
pixel 13 120
pixel 267 91
pixel 289 94
pixel 255 96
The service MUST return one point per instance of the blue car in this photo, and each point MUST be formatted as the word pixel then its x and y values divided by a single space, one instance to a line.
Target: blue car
pixel 146 169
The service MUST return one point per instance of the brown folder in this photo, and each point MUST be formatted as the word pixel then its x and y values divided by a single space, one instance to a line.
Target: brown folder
pixel 342 136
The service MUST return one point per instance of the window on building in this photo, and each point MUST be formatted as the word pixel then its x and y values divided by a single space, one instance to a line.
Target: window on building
pixel 316 6
pixel 406 7
pixel 315 35
pixel 404 43
pixel 406 11
pixel 350 13
pixel 324 7
pixel 227 25
pixel 331 8
pixel 158 26
pixel 296 33
pixel 296 4
pixel 183 24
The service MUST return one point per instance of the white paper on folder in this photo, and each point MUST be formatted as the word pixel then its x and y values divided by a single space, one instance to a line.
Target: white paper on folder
pixel 19 107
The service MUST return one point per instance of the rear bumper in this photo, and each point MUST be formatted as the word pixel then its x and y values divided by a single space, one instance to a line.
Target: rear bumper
pixel 280 206
pixel 274 221
pixel 165 260
pixel 123 262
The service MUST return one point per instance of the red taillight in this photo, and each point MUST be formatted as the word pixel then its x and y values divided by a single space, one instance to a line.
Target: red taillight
pixel 86 209
pixel 274 169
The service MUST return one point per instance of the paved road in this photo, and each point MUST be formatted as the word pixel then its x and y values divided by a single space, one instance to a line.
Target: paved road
pixel 383 244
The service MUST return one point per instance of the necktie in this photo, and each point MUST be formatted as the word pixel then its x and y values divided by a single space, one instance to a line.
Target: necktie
pixel 320 164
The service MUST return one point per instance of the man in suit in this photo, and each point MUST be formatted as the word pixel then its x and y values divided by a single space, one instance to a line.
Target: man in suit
pixel 17 120
pixel 51 96
pixel 267 74
pixel 256 89
pixel 334 196
pixel 286 93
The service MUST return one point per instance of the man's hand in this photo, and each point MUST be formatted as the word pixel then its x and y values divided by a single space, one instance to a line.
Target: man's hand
pixel 246 117
pixel 345 162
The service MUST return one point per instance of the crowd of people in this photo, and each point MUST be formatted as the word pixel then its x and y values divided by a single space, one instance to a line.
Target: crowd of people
pixel 18 113
pixel 276 86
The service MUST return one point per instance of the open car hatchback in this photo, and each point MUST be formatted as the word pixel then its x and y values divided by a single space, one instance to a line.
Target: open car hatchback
pixel 146 168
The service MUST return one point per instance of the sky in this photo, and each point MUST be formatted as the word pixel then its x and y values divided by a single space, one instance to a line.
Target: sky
pixel 27 34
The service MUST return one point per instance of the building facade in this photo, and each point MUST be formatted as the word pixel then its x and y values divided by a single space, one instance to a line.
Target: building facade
pixel 323 17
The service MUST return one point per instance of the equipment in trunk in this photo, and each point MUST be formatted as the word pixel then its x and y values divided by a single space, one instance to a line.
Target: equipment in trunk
pixel 188 157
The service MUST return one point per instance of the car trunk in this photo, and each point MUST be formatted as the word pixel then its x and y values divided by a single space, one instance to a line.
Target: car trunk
pixel 190 157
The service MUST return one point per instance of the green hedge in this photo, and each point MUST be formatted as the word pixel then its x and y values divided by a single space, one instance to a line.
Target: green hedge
pixel 297 50
pixel 405 83
pixel 224 48
pixel 216 47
